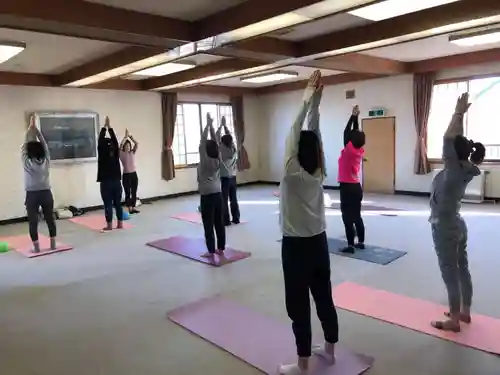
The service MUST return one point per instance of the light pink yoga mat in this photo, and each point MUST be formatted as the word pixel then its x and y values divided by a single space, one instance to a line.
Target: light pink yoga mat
pixel 482 334
pixel 256 339
pixel 23 245
pixel 193 248
pixel 195 217
pixel 96 222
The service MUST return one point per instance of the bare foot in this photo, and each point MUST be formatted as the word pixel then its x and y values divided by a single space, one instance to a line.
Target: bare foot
pixel 207 255
pixel 447 325
pixel 463 317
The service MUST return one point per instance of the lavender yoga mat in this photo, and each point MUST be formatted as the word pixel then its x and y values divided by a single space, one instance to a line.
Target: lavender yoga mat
pixel 256 339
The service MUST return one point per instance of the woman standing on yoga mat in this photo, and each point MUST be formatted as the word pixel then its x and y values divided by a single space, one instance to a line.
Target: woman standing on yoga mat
pixel 209 186
pixel 129 179
pixel 351 192
pixel 228 157
pixel 304 249
pixel 36 162
pixel 109 175
pixel 449 231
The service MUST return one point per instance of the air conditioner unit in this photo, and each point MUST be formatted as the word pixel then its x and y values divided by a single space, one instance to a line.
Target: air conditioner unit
pixel 475 190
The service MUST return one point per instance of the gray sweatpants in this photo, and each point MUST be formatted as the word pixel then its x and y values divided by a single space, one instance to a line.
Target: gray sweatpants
pixel 450 242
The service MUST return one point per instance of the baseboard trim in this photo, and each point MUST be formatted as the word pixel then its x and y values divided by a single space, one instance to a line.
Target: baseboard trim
pixel 148 200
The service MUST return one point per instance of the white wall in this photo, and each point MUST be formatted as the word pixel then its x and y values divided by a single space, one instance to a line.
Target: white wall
pixel 394 94
pixel 140 112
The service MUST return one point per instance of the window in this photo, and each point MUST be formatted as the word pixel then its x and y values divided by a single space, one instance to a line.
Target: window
pixel 479 122
pixel 191 120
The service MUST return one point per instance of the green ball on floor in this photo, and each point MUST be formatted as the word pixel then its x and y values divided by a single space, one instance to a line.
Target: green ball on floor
pixel 4 247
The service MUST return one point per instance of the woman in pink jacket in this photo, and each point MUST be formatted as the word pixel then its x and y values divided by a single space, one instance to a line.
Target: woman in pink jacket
pixel 351 191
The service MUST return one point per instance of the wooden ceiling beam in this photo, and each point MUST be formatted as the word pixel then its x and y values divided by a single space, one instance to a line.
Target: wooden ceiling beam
pixel 212 69
pixel 125 56
pixel 456 61
pixel 457 12
pixel 247 13
pixel 94 21
pixel 336 79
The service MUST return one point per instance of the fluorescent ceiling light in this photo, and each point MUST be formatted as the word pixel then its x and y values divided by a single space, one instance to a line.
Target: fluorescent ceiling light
pixel 270 77
pixel 10 49
pixel 394 8
pixel 164 69
pixel 476 39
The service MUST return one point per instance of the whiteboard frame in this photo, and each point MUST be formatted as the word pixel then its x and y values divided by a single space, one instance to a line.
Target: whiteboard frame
pixel 81 114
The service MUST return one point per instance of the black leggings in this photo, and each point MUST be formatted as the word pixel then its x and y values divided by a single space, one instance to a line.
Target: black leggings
pixel 45 200
pixel 111 194
pixel 351 196
pixel 306 267
pixel 229 187
pixel 130 184
pixel 211 216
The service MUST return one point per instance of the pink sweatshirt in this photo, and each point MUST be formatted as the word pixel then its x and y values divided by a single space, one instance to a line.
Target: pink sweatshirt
pixel 350 164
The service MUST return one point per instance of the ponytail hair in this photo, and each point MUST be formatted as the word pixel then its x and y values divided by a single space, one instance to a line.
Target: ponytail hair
pixel 478 152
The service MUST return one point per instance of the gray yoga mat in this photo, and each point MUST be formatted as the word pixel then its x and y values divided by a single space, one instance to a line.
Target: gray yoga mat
pixel 372 254
pixel 369 207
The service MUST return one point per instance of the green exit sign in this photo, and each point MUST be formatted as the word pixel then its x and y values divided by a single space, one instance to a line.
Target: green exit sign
pixel 378 112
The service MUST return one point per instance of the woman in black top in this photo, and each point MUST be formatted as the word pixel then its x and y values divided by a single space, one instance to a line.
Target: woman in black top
pixel 109 175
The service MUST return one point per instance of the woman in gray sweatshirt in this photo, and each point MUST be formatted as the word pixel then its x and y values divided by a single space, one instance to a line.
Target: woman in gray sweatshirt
pixel 228 160
pixel 304 248
pixel 36 162
pixel 449 231
pixel 209 186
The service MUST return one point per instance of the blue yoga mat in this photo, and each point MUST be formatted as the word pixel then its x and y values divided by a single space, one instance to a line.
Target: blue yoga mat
pixel 372 254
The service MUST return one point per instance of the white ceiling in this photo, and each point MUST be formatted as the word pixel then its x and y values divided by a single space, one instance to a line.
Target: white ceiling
pixel 304 73
pixel 189 10
pixel 322 26
pixel 52 54
pixel 425 49
pixel 198 60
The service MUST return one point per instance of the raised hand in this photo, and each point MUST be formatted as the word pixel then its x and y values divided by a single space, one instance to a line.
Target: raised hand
pixel 462 104
pixel 355 110
pixel 32 122
pixel 312 85
pixel 223 121
pixel 127 134
pixel 106 122
pixel 210 120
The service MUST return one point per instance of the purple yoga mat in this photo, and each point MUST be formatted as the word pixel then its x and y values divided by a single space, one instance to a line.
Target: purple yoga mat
pixel 192 248
pixel 262 342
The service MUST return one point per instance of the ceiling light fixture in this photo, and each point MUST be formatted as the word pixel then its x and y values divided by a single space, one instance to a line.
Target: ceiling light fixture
pixel 10 49
pixel 164 69
pixel 476 38
pixel 279 75
pixel 394 8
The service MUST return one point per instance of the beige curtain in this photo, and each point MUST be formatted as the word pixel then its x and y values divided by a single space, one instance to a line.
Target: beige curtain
pixel 423 84
pixel 239 129
pixel 169 115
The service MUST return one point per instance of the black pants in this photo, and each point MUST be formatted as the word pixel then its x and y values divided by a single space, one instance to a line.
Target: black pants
pixel 229 194
pixel 111 194
pixel 351 196
pixel 45 200
pixel 211 216
pixel 130 184
pixel 306 267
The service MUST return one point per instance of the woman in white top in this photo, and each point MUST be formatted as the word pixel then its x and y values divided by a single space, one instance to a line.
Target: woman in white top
pixel 305 256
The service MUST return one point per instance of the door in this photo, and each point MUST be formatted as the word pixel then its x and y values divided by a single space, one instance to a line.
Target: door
pixel 380 152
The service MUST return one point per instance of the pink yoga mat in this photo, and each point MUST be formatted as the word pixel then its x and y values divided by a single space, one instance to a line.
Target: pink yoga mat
pixel 256 339
pixel 482 334
pixel 193 248
pixel 194 217
pixel 95 222
pixel 23 245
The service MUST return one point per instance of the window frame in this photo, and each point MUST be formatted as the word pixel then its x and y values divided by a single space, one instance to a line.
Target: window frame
pixel 200 104
pixel 465 79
